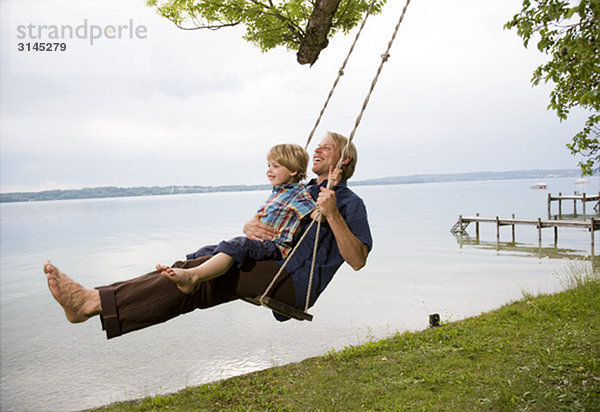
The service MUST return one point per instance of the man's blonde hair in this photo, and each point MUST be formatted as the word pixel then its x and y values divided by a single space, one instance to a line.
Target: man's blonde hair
pixel 292 156
pixel 351 153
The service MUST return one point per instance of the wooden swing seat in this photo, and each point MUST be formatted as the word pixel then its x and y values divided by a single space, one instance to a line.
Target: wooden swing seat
pixel 281 308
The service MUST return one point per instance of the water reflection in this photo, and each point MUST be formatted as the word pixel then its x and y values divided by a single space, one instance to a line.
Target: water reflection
pixel 529 250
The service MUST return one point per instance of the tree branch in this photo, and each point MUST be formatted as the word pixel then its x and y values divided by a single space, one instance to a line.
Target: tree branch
pixel 317 30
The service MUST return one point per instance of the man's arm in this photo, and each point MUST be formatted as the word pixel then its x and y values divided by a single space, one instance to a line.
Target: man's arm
pixel 255 229
pixel 353 251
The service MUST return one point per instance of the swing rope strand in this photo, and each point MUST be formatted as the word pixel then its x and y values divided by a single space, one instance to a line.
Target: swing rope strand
pixel 340 74
pixel 330 184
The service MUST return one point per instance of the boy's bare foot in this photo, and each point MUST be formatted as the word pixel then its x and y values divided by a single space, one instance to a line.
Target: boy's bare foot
pixel 183 278
pixel 79 303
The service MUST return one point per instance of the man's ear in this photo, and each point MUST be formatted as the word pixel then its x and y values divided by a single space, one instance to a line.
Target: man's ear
pixel 346 161
pixel 294 173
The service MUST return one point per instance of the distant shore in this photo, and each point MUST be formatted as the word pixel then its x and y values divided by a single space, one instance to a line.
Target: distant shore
pixel 113 191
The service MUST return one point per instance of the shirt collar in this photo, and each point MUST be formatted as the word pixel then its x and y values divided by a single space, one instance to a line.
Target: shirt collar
pixel 312 182
pixel 286 186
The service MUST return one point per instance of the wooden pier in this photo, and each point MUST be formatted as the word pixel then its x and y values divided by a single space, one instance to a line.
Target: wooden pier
pixel 575 197
pixel 463 221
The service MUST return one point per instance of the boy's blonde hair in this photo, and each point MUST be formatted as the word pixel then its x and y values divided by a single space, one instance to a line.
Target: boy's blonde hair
pixel 351 153
pixel 292 156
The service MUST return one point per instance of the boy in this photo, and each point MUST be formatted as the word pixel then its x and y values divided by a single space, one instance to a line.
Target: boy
pixel 287 205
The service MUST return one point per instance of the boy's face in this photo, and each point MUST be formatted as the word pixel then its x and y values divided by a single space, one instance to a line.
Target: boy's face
pixel 279 174
pixel 326 155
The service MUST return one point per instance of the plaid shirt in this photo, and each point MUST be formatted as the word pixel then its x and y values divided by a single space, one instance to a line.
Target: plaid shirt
pixel 285 208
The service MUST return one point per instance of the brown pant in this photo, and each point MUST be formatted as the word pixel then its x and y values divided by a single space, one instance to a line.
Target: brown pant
pixel 151 299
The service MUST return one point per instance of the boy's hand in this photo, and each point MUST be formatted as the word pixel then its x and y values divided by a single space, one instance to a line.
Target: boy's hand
pixel 257 230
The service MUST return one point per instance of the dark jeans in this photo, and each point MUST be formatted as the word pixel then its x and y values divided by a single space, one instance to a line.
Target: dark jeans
pixel 244 250
pixel 151 299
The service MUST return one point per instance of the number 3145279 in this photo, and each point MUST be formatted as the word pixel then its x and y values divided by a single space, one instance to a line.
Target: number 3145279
pixel 37 46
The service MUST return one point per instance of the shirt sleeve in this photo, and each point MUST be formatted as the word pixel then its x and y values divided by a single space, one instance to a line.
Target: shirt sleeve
pixel 355 214
pixel 303 203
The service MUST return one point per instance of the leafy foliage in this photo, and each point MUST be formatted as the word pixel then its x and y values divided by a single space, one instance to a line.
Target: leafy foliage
pixel 570 35
pixel 268 23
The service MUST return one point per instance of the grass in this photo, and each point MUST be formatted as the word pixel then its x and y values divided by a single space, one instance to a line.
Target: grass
pixel 541 354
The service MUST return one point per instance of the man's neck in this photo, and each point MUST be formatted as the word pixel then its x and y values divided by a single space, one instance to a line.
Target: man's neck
pixel 322 178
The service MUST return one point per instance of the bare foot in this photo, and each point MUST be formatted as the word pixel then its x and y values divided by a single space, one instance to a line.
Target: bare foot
pixel 183 278
pixel 79 303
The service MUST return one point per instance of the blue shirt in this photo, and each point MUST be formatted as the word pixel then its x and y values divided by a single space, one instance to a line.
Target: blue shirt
pixel 329 259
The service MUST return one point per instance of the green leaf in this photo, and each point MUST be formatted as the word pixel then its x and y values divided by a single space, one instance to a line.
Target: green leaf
pixel 570 37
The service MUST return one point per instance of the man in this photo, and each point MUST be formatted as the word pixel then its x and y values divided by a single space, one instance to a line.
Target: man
pixel 151 299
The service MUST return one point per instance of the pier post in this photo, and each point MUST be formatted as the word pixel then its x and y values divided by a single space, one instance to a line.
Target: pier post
pixel 583 204
pixel 477 227
pixel 513 229
pixel 539 225
pixel 434 320
pixel 575 204
pixel 555 235
pixel 559 205
pixel 497 230
pixel 460 231
pixel 592 227
pixel 549 205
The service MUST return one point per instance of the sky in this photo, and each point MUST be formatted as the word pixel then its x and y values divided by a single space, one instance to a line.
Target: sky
pixel 153 105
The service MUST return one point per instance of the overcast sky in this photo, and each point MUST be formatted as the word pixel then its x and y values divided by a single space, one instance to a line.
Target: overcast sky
pixel 162 106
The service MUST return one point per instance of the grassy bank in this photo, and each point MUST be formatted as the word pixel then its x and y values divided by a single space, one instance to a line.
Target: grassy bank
pixel 540 353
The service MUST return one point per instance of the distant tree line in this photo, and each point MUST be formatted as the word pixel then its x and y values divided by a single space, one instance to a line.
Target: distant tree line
pixel 470 176
pixel 113 191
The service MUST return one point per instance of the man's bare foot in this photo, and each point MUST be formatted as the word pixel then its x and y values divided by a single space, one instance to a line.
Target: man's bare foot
pixel 183 278
pixel 79 303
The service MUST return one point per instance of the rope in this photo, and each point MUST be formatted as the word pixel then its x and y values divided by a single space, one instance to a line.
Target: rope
pixel 276 277
pixel 310 136
pixel 384 58
pixel 340 74
pixel 312 264
pixel 330 185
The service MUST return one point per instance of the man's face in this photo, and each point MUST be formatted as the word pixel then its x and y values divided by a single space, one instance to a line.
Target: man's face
pixel 326 155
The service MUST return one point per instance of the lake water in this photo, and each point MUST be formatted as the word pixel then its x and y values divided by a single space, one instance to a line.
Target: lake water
pixel 417 267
